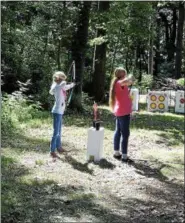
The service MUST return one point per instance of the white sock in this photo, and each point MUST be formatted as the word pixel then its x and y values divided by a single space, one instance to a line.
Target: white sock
pixel 124 156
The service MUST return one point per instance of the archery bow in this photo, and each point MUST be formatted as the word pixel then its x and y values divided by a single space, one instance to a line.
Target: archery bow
pixel 72 67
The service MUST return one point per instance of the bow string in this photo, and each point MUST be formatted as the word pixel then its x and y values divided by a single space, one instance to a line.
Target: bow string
pixel 72 71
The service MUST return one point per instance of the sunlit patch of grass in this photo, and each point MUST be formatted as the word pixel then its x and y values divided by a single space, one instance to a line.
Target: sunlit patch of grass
pixel 7 161
pixel 170 155
pixel 39 162
pixel 81 196
pixel 172 158
pixel 172 138
pixel 37 123
pixel 40 119
pixel 173 171
pixel 11 154
pixel 156 121
pixel 32 180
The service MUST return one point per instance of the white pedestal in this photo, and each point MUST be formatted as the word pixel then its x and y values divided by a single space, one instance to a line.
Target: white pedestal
pixel 134 93
pixel 95 144
pixel 180 102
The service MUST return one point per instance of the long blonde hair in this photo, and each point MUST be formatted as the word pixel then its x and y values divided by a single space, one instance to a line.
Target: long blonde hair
pixel 116 76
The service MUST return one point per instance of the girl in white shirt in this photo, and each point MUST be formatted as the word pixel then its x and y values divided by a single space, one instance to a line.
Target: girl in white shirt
pixel 58 89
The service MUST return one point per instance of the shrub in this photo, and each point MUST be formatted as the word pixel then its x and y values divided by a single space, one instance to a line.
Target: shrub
pixel 16 108
pixel 146 82
pixel 181 81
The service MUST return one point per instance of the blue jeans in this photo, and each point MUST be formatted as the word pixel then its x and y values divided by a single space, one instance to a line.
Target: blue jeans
pixel 56 139
pixel 122 129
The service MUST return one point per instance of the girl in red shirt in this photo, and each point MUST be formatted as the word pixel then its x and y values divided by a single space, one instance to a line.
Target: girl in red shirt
pixel 121 105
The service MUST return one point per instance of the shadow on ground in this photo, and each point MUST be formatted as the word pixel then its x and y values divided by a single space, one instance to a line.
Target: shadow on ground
pixel 47 201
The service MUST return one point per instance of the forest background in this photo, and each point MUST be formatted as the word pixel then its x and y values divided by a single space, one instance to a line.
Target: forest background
pixel 40 37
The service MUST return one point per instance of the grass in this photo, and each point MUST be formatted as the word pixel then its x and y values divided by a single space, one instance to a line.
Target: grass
pixel 36 189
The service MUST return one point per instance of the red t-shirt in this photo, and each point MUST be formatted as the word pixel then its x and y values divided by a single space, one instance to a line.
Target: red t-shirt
pixel 123 102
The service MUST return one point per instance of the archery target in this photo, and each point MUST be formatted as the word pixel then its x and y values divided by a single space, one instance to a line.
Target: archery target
pixel 179 102
pixel 157 101
pixel 134 94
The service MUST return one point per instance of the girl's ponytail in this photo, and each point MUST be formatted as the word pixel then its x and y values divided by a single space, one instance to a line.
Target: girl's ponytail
pixel 112 93
pixel 118 74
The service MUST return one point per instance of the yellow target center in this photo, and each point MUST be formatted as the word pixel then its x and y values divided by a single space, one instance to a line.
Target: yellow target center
pixel 161 106
pixel 161 98
pixel 153 98
pixel 153 105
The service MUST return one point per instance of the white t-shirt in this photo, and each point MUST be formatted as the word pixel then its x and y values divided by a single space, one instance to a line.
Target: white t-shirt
pixel 58 90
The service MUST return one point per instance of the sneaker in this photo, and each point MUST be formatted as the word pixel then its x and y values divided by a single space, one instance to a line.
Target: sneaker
pixel 53 154
pixel 61 150
pixel 127 160
pixel 117 155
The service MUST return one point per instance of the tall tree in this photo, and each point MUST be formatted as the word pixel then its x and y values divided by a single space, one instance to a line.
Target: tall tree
pixel 78 49
pixel 168 16
pixel 100 55
pixel 157 48
pixel 179 45
pixel 150 44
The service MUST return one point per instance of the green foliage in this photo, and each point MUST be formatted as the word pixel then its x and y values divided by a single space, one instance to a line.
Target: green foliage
pixel 37 39
pixel 35 43
pixel 16 108
pixel 146 82
pixel 166 69
pixel 98 41
pixel 181 81
pixel 7 123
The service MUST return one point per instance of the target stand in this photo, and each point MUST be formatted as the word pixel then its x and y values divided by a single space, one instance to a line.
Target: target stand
pixel 134 94
pixel 95 144
pixel 179 102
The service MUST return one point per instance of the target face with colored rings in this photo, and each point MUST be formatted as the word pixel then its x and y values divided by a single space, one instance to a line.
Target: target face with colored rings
pixel 161 106
pixel 153 98
pixel 153 105
pixel 161 98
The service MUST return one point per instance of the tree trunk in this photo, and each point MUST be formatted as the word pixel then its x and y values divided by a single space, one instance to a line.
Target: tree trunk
pixel 100 61
pixel 171 42
pixel 140 66
pixel 58 54
pixel 157 51
pixel 79 44
pixel 179 44
pixel 115 50
pixel 150 56
pixel 170 37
